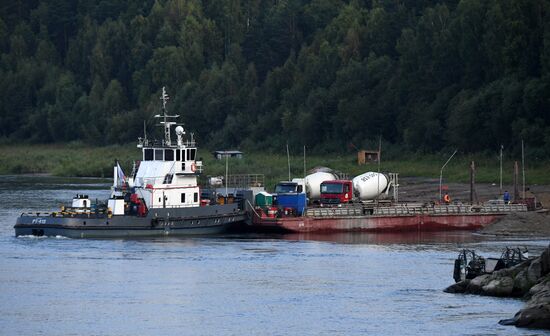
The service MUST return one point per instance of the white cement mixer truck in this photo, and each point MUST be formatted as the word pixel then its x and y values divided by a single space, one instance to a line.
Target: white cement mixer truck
pixel 370 185
pixel 311 184
pixel 324 187
pixel 365 187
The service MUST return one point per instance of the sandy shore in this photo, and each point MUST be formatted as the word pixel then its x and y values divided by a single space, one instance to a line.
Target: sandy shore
pixel 520 225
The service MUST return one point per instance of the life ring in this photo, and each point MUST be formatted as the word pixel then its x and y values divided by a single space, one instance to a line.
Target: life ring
pixel 193 167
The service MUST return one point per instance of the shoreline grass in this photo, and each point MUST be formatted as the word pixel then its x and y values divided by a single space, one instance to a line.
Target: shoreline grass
pixel 78 160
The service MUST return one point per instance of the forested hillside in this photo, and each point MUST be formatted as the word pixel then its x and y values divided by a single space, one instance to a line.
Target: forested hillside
pixel 424 75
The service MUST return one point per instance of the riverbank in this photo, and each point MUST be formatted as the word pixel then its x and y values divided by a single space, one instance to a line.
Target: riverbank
pixel 521 225
pixel 76 159
pixel 67 160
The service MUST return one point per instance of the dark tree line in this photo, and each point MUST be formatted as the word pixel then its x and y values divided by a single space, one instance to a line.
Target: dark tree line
pixel 424 75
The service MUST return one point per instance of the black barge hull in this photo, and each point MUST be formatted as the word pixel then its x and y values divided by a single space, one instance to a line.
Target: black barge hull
pixel 158 223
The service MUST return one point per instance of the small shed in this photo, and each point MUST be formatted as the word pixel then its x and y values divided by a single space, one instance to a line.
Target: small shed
pixel 228 153
pixel 263 199
pixel 367 156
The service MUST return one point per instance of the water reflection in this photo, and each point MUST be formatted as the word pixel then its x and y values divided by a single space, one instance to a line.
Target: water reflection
pixel 388 238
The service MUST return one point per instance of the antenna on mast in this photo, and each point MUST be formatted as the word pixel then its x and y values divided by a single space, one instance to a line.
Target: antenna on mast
pixel 164 97
pixel 144 131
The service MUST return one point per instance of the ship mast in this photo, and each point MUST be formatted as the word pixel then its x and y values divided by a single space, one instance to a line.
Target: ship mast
pixel 165 117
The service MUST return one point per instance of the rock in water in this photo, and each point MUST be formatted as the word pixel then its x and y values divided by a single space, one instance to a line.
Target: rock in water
pixel 476 284
pixel 522 284
pixel 545 262
pixel 530 278
pixel 459 287
pixel 534 315
pixel 499 287
pixel 534 272
pixel 507 322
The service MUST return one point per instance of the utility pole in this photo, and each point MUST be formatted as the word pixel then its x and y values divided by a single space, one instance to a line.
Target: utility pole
pixel 501 147
pixel 523 167
pixel 288 160
pixel 378 176
pixel 226 173
pixel 516 175
pixel 304 166
pixel 473 195
pixel 441 174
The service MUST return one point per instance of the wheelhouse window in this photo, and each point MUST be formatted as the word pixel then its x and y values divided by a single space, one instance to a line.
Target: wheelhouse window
pixel 159 154
pixel 148 154
pixel 195 197
pixel 168 179
pixel 193 153
pixel 168 155
pixel 182 198
pixel 178 156
pixel 183 155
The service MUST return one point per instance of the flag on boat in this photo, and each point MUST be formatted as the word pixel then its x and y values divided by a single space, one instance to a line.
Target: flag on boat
pixel 121 178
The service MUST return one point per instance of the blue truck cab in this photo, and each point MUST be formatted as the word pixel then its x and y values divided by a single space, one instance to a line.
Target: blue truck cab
pixel 290 195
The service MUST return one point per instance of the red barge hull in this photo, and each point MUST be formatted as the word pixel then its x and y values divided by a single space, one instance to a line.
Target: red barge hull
pixel 378 223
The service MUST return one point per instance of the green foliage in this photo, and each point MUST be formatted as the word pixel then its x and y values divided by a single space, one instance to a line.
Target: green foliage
pixel 422 75
pixel 78 159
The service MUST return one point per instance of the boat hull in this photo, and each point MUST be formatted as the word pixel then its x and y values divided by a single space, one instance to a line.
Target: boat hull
pixel 159 222
pixel 373 223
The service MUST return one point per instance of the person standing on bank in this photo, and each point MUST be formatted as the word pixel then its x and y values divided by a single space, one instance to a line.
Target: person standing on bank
pixel 447 199
pixel 506 197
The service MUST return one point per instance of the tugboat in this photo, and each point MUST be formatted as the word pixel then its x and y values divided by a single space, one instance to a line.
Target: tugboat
pixel 160 198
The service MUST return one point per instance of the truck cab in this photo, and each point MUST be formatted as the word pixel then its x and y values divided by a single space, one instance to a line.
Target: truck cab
pixel 336 192
pixel 287 187
pixel 290 197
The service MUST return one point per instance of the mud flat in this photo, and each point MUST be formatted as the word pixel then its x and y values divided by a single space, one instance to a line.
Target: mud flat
pixel 521 225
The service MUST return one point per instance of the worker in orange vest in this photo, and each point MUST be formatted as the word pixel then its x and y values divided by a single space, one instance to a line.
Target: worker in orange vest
pixel 447 199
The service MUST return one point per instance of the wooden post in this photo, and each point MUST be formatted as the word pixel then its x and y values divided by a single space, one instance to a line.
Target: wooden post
pixel 516 174
pixel 473 195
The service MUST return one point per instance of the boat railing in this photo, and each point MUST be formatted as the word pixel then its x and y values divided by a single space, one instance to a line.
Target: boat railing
pixel 504 208
pixel 70 212
pixel 162 143
pixel 329 212
pixel 181 206
pixel 447 209
pixel 403 210
pixel 38 214
pixel 245 180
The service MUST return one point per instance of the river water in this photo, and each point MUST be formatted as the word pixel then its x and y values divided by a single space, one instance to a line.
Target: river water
pixel 345 284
